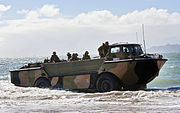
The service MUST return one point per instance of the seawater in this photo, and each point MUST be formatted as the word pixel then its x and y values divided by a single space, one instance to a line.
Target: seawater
pixel 7 64
pixel 163 94
pixel 169 75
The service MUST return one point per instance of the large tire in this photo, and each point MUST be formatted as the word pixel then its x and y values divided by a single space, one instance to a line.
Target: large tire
pixel 42 83
pixel 107 82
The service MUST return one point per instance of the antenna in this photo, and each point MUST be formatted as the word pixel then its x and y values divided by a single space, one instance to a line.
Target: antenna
pixel 137 37
pixel 144 39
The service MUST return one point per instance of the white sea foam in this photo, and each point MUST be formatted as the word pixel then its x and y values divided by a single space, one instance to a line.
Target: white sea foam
pixel 21 99
pixel 172 67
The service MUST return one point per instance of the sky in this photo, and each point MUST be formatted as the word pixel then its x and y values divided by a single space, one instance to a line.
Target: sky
pixel 39 27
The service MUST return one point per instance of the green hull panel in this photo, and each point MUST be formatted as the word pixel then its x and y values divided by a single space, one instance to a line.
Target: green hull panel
pixel 73 68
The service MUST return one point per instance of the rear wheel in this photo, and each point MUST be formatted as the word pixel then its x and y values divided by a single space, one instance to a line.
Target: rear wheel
pixel 107 82
pixel 42 83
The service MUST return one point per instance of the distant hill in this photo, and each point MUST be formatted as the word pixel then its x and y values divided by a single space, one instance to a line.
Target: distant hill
pixel 169 48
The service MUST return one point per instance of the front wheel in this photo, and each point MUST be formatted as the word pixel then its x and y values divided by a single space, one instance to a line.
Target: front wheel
pixel 42 83
pixel 107 82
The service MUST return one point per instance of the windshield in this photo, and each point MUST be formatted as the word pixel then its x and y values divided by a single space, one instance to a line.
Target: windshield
pixel 115 50
pixel 134 49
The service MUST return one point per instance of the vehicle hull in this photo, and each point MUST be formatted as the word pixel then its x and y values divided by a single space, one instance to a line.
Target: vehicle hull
pixel 134 72
pixel 131 73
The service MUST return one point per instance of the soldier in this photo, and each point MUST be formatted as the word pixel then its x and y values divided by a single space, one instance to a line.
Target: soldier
pixel 101 50
pixel 69 56
pixel 74 57
pixel 106 48
pixel 86 56
pixel 54 58
pixel 46 60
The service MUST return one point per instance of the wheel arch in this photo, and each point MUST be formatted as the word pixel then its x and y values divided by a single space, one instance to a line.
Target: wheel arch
pixel 109 74
pixel 41 77
pixel 113 75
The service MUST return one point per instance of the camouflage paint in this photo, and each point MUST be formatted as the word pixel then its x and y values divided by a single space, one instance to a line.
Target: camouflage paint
pixel 123 70
pixel 54 81
pixel 72 68
pixel 76 82
pixel 82 81
pixel 130 76
pixel 160 63
pixel 23 76
pixel 28 77
pixel 119 69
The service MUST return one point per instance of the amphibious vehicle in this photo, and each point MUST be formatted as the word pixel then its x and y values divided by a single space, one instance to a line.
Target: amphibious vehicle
pixel 126 67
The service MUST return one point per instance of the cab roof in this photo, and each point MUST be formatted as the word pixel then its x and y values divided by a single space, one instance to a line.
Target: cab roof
pixel 122 43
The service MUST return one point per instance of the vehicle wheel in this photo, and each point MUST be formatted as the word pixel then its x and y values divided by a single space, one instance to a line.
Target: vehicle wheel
pixel 107 82
pixel 42 83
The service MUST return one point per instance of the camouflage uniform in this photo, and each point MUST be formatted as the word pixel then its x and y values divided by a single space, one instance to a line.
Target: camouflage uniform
pixel 106 48
pixel 86 56
pixel 46 60
pixel 74 57
pixel 54 58
pixel 101 51
pixel 69 56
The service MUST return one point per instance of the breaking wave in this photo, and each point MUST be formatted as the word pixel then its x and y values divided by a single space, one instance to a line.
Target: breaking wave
pixel 14 99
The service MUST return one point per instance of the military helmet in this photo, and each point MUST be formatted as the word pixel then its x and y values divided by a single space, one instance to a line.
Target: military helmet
pixel 86 52
pixel 54 53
